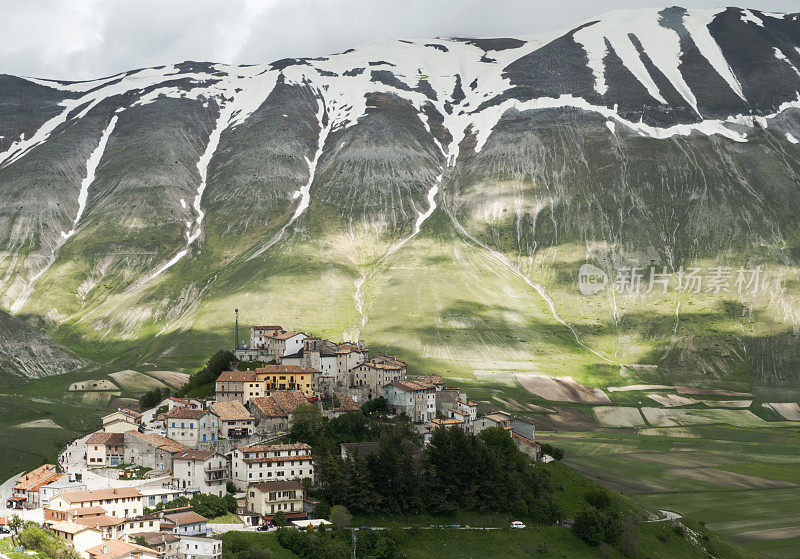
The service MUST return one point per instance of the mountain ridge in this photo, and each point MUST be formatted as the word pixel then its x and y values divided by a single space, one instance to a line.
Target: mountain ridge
pixel 146 204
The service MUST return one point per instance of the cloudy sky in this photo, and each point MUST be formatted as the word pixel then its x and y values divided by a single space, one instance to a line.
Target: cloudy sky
pixel 82 39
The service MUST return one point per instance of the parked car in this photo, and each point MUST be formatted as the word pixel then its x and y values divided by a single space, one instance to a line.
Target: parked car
pixel 263 528
pixel 518 524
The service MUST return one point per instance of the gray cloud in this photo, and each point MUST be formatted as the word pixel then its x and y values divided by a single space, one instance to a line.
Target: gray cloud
pixel 68 39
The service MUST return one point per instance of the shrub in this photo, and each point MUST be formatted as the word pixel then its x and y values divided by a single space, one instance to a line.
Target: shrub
pixel 588 528
pixel 340 517
pixel 279 519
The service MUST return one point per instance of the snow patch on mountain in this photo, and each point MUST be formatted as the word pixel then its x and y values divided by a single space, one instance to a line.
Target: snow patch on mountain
pixel 91 167
pixel 696 22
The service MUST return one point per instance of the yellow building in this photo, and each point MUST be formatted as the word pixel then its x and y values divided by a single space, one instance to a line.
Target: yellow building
pixel 288 377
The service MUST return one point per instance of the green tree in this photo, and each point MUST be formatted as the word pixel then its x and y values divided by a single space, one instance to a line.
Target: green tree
pixel 15 523
pixel 340 517
pixel 385 548
pixel 588 527
pixel 203 382
pixel 279 519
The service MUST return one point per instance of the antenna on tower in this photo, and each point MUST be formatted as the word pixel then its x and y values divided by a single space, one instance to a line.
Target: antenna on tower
pixel 236 334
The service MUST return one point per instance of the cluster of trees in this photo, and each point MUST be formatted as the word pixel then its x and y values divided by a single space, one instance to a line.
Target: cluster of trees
pixel 325 435
pixel 203 504
pixel 601 522
pixel 153 397
pixel 323 543
pixel 203 383
pixel 35 538
pixel 455 471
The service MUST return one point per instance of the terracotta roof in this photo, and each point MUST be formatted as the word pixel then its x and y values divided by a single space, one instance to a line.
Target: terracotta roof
pixel 268 406
pixel 45 473
pixel 283 369
pixel 283 335
pixel 194 455
pixel 393 360
pixel 69 527
pixel 290 400
pixel 159 441
pixel 130 412
pixel 101 437
pixel 237 376
pixel 185 413
pixel 231 410
pixel 266 459
pixel 445 422
pixel 183 518
pixel 382 366
pixel 346 402
pixel 157 538
pixel 101 521
pixel 412 385
pixel 87 511
pixel 497 417
pixel 266 486
pixel 350 348
pixel 433 379
pixel 274 447
pixel 100 494
pixel 266 328
pixel 112 549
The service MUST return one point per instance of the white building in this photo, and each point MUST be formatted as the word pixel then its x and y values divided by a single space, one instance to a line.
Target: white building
pixel 47 492
pixel 193 547
pixel 201 470
pixel 192 427
pixel 276 462
pixel 77 536
pixel 119 502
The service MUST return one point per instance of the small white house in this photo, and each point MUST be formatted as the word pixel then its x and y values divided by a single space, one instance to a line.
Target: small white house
pixel 193 547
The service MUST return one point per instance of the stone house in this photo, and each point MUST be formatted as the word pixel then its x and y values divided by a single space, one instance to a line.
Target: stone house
pixel 151 450
pixel 274 412
pixel 348 356
pixel 372 376
pixel 164 543
pixel 192 427
pixel 239 385
pixel 497 419
pixel 234 419
pixel 201 470
pixel 416 399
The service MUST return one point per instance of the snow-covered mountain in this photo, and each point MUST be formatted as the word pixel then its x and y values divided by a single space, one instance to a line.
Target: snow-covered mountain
pixel 145 204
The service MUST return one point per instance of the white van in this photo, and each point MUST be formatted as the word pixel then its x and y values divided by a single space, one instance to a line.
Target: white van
pixel 517 524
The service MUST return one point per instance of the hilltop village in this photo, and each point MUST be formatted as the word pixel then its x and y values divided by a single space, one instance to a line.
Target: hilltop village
pixel 136 487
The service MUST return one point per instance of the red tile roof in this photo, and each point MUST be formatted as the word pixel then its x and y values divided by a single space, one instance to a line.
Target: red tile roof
pixel 268 406
pixel 237 376
pixel 185 413
pixel 284 369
